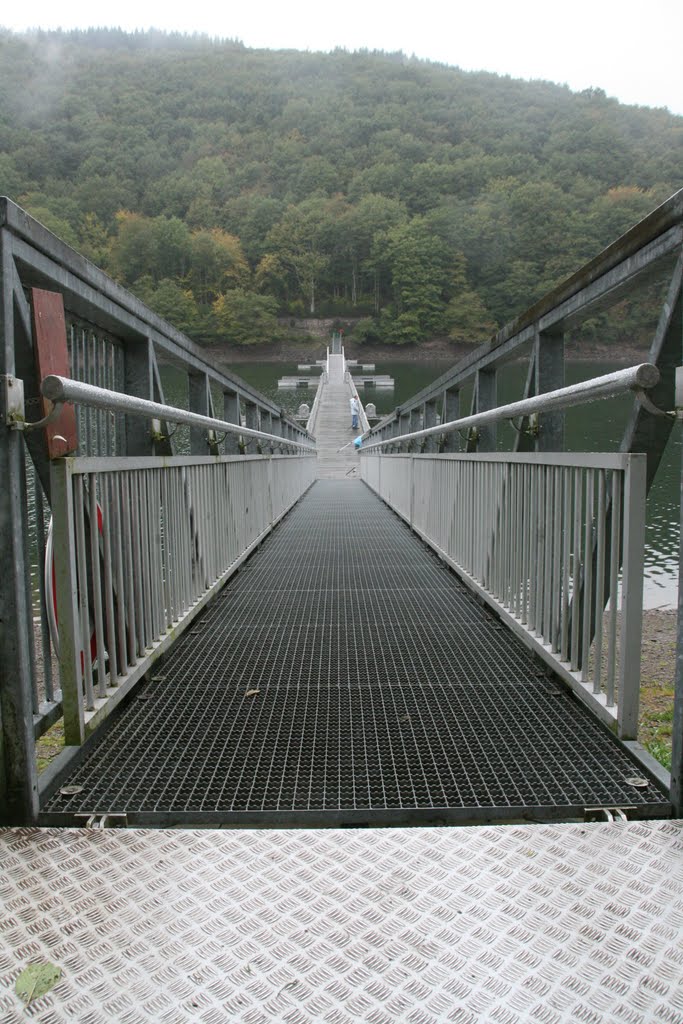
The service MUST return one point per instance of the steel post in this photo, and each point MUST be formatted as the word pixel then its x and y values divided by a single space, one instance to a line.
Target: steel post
pixel 485 398
pixel 252 421
pixel 231 414
pixel 549 376
pixel 139 381
pixel 18 776
pixel 429 418
pixel 451 411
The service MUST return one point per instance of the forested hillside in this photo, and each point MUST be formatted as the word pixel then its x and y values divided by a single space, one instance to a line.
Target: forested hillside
pixel 229 186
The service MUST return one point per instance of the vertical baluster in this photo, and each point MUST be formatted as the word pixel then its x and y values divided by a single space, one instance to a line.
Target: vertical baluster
pixel 97 587
pixel 164 549
pixel 587 574
pixel 557 578
pixel 97 379
pixel 565 612
pixel 83 592
pixel 598 624
pixel 119 581
pixel 576 580
pixel 159 574
pixel 549 519
pixel 44 627
pixel 540 550
pixel 142 559
pixel 105 499
pixel 127 500
pixel 533 542
pixel 525 517
pixel 171 522
pixel 87 370
pixel 191 555
pixel 152 538
pixel 513 543
pixel 615 547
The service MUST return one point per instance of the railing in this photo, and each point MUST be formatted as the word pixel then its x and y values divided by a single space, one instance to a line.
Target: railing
pixel 651 250
pixel 363 422
pixel 139 549
pixel 324 378
pixel 114 342
pixel 637 379
pixel 542 539
pixel 61 389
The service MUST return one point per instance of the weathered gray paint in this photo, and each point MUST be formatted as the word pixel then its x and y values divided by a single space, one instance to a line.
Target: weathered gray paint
pixel 451 411
pixel 139 382
pixel 485 398
pixel 549 376
pixel 18 777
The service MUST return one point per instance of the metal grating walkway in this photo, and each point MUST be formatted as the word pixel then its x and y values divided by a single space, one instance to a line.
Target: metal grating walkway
pixel 346 676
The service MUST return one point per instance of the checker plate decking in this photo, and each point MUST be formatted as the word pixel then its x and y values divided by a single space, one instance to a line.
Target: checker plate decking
pixel 533 924
pixel 345 675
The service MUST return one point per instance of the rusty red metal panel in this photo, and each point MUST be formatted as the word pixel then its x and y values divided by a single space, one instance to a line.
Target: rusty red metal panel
pixel 52 356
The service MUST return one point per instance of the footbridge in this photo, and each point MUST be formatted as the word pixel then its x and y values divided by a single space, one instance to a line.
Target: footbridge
pixel 240 623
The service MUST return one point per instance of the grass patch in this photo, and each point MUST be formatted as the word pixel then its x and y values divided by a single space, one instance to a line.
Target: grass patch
pixel 50 744
pixel 656 722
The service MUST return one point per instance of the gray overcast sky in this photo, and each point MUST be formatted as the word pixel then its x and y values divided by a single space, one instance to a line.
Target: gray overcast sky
pixel 630 49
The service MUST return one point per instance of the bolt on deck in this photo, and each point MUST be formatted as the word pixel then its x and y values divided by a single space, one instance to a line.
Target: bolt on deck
pixel 346 676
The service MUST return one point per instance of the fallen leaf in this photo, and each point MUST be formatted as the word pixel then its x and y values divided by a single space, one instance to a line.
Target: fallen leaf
pixel 251 693
pixel 36 981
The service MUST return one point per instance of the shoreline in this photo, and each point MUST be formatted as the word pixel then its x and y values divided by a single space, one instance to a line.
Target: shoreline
pixel 435 351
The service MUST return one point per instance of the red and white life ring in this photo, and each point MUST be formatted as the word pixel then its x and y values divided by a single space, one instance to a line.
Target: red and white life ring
pixel 51 595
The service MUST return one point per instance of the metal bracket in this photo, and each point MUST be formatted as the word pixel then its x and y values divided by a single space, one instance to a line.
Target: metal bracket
pixel 609 814
pixel 469 434
pixel 648 404
pixel 14 411
pixel 533 428
pixel 103 820
pixel 12 401
pixel 53 413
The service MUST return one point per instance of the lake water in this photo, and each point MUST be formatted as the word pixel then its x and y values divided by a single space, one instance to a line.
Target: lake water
pixel 594 428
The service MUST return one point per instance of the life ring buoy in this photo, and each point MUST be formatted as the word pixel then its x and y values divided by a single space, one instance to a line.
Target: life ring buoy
pixel 51 595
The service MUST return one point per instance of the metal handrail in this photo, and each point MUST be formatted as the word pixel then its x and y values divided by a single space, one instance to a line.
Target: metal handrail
pixel 324 377
pixel 362 417
pixel 63 389
pixel 633 378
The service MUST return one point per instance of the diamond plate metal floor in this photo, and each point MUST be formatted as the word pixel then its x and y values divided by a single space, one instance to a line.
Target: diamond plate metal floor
pixel 345 676
pixel 546 924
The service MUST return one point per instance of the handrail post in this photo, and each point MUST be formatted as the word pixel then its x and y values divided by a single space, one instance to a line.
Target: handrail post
pixel 451 411
pixel 429 420
pixel 231 414
pixel 18 777
pixel 66 591
pixel 412 491
pixel 549 376
pixel 271 503
pixel 139 381
pixel 632 597
pixel 485 393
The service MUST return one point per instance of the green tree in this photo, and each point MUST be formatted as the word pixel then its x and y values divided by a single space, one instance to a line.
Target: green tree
pixel 466 316
pixel 217 263
pixel 299 241
pixel 245 318
pixel 133 248
pixel 420 269
pixel 173 303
